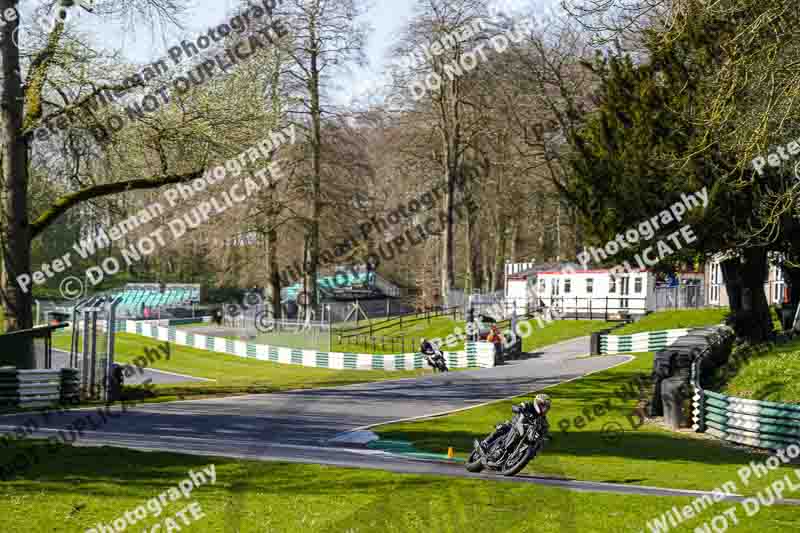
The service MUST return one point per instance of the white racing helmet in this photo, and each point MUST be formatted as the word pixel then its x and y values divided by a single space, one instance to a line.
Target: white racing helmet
pixel 542 403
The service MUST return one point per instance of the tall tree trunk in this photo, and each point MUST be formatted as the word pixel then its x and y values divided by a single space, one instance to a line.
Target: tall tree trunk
pixel 744 283
pixel 578 232
pixel 488 267
pixel 273 285
pixel 450 123
pixel 16 236
pixel 500 254
pixel 448 266
pixel 312 265
pixel 514 238
pixel 755 302
pixel 473 236
pixel 448 240
pixel 731 276
pixel 558 230
pixel 474 267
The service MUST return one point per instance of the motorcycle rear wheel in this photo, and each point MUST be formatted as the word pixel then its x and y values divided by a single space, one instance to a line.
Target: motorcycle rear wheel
pixel 518 460
pixel 475 462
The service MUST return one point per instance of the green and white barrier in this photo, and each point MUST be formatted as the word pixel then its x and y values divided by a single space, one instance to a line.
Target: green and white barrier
pixel 756 423
pixel 476 355
pixel 648 341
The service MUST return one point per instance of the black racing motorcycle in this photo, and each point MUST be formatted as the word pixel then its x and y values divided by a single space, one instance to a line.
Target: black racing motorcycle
pixel 437 361
pixel 515 444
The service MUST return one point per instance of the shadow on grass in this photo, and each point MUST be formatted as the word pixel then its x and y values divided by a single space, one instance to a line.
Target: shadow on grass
pixel 639 444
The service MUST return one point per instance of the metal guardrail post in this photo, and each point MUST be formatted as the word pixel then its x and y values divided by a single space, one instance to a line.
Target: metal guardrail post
pixel 111 328
pixel 85 356
pixel 698 398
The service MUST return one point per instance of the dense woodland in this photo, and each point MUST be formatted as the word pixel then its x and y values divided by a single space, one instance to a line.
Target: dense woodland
pixel 563 131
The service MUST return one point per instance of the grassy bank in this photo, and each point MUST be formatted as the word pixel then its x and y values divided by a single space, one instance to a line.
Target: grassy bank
pixel 80 487
pixel 675 319
pixel 560 331
pixel 772 374
pixel 614 446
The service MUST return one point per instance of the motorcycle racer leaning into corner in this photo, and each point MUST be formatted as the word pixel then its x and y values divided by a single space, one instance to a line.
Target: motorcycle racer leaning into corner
pixel 536 409
pixel 433 355
pixel 426 347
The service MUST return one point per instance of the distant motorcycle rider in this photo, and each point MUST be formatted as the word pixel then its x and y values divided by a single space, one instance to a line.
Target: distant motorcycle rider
pixel 426 348
pixel 538 409
pixel 432 354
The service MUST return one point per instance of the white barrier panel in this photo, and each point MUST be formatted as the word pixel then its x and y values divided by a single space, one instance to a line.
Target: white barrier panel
pixel 476 354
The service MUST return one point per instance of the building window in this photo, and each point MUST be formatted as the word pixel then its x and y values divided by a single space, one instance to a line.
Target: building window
pixel 589 285
pixel 780 285
pixel 542 286
pixel 716 281
pixel 637 285
pixel 567 285
pixel 612 284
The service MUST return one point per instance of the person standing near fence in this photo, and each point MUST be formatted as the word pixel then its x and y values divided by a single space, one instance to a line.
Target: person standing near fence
pixel 496 338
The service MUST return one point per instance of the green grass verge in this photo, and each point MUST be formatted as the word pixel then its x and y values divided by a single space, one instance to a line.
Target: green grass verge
pixel 772 376
pixel 675 319
pixel 640 455
pixel 79 487
pixel 559 331
pixel 236 374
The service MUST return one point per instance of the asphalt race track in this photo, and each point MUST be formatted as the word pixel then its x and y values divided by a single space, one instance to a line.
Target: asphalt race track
pixel 300 426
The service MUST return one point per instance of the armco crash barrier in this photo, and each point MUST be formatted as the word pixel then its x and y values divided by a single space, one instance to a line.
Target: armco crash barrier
pixel 750 422
pixel 760 424
pixel 476 355
pixel 37 388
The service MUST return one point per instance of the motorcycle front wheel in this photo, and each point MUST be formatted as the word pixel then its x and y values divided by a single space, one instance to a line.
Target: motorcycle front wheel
pixel 474 463
pixel 518 460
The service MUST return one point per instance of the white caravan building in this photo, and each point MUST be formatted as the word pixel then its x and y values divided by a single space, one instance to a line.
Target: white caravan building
pixel 585 293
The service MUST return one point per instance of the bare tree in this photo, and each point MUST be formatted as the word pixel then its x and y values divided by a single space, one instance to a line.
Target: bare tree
pixel 325 35
pixel 453 28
